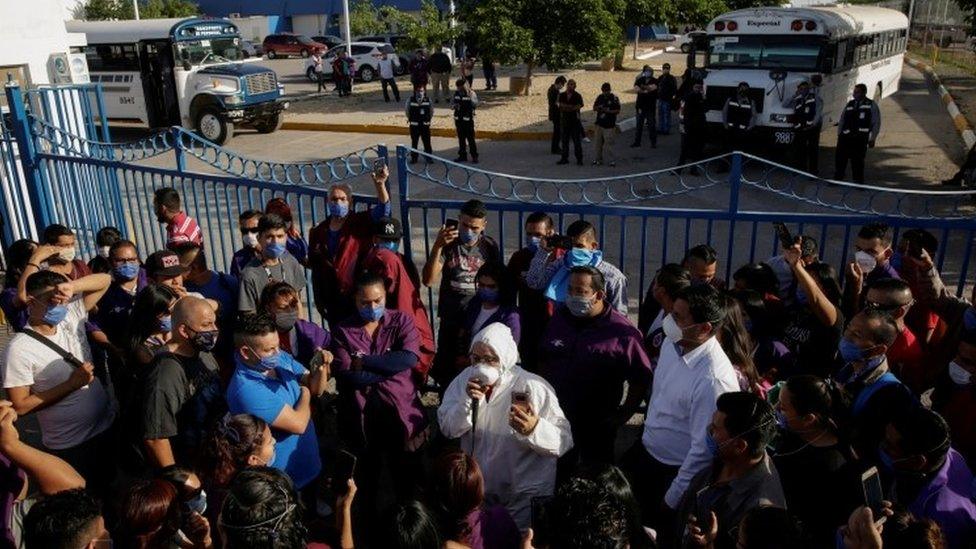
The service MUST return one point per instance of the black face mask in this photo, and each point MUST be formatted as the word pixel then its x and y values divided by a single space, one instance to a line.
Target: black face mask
pixel 203 341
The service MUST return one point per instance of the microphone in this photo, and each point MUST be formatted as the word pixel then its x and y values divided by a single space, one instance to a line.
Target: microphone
pixel 475 402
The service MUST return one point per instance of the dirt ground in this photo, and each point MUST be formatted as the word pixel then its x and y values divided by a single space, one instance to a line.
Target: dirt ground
pixel 499 110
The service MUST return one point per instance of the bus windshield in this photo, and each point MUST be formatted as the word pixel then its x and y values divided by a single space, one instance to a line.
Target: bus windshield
pixel 763 52
pixel 209 51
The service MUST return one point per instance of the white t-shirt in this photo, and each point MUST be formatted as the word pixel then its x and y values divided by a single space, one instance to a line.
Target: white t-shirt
pixel 387 65
pixel 29 363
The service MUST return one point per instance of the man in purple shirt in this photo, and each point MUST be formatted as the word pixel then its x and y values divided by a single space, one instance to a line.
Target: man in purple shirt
pixel 872 262
pixel 587 353
pixel 380 414
pixel 927 477
pixel 248 222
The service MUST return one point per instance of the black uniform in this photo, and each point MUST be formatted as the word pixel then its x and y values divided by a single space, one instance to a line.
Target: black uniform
pixel 646 109
pixel 693 128
pixel 738 114
pixel 858 126
pixel 464 106
pixel 806 126
pixel 554 116
pixel 419 114
pixel 571 127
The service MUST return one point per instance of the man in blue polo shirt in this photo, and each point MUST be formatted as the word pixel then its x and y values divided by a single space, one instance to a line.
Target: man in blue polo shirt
pixel 268 383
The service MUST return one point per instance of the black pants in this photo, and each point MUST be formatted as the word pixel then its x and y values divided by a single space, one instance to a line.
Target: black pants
pixel 465 134
pixel 491 81
pixel 593 443
pixel 692 146
pixel 94 460
pixel 571 131
pixel 470 79
pixel 737 139
pixel 853 147
pixel 806 150
pixel 391 82
pixel 648 116
pixel 420 132
pixel 650 480
pixel 320 79
pixel 557 135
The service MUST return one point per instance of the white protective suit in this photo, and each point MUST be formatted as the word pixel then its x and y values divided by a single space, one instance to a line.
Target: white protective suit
pixel 515 467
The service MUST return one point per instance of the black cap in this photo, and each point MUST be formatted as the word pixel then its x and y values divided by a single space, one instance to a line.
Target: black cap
pixel 165 263
pixel 388 228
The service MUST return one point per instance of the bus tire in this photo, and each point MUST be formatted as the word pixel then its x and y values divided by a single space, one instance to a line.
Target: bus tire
pixel 367 74
pixel 270 123
pixel 271 54
pixel 304 53
pixel 211 127
pixel 877 93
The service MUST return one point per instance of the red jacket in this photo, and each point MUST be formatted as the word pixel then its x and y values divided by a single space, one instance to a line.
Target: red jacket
pixel 333 279
pixel 403 294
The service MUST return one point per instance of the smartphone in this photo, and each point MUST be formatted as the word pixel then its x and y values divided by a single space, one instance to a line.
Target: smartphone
pixel 871 482
pixel 451 223
pixel 378 165
pixel 345 468
pixel 560 241
pixel 520 399
pixel 785 238
pixel 540 521
pixel 914 248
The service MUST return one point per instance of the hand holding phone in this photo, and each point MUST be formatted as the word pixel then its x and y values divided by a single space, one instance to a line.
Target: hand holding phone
pixel 345 468
pixel 379 165
pixel 873 494
pixel 451 224
pixel 786 240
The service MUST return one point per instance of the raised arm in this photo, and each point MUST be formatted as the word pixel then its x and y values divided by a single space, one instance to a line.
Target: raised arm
pixel 51 473
pixel 379 181
pixel 825 311
pixel 40 255
pixel 93 287
pixel 435 263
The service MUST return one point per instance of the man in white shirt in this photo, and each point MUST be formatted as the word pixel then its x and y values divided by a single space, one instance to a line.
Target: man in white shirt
pixel 692 372
pixel 387 66
pixel 74 409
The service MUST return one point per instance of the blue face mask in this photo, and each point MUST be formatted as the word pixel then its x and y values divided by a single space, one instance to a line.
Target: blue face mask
pixel 579 306
pixel 55 314
pixel 166 323
pixel 126 271
pixel 468 236
pixel 392 246
pixel 488 294
pixel 534 242
pixel 712 444
pixel 849 351
pixel 781 420
pixel 268 363
pixel 196 505
pixel 275 250
pixel 338 209
pixel 370 314
pixel 579 257
pixel 887 461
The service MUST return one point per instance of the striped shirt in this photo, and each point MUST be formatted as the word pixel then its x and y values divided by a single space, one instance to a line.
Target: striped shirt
pixel 182 230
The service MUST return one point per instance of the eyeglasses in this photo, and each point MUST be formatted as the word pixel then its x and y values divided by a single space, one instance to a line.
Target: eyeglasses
pixel 482 359
pixel 124 260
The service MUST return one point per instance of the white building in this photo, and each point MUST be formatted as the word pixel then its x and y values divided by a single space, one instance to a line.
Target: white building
pixel 30 33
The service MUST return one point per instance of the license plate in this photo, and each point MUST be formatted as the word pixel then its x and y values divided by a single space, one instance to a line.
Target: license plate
pixel 783 138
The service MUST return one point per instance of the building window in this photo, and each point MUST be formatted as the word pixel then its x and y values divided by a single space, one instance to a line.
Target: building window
pixel 19 73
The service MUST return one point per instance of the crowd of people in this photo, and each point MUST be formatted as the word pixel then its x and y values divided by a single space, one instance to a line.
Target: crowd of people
pixel 181 406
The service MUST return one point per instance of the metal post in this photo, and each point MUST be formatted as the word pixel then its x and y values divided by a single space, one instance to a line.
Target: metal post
pixel 735 182
pixel 928 24
pixel 404 195
pixel 20 126
pixel 911 14
pixel 175 135
pixel 945 13
pixel 345 25
pixel 135 8
pixel 636 40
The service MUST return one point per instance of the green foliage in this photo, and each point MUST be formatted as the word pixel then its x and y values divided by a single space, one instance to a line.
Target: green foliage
pixel 101 10
pixel 742 4
pixel 645 13
pixel 555 33
pixel 430 30
pixel 364 18
pixel 698 12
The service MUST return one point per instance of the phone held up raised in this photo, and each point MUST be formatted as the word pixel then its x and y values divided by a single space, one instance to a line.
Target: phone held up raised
pixel 873 495
pixel 785 238
pixel 345 468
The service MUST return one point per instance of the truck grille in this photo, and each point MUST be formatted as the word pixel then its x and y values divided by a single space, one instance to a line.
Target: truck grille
pixel 263 82
pixel 715 97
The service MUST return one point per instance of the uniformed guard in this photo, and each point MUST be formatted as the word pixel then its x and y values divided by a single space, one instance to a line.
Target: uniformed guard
pixel 464 103
pixel 807 123
pixel 858 128
pixel 739 117
pixel 419 114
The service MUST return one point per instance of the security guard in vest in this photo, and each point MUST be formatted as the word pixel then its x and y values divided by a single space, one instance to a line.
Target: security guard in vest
pixel 419 114
pixel 464 103
pixel 739 117
pixel 807 122
pixel 858 128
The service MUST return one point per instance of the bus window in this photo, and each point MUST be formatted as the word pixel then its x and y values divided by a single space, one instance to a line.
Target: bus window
pixel 767 52
pixel 214 50
pixel 841 56
pixel 112 57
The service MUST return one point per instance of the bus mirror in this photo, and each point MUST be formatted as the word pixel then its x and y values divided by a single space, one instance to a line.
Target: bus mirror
pixel 185 57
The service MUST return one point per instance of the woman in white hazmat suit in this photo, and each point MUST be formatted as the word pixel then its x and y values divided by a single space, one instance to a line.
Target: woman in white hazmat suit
pixel 520 431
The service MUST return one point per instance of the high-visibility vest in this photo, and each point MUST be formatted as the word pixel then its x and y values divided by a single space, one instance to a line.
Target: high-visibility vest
pixel 419 112
pixel 858 116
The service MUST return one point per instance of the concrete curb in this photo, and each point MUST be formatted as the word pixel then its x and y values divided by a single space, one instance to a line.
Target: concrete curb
pixel 958 119
pixel 403 130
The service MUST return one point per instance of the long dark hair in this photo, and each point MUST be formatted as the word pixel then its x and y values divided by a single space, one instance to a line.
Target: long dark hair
pixel 826 276
pixel 228 445
pixel 262 511
pixel 456 489
pixel 150 302
pixel 810 394
pixel 17 255
pixel 736 342
pixel 148 515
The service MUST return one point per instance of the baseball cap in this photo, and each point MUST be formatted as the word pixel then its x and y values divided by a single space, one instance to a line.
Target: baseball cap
pixel 164 263
pixel 388 228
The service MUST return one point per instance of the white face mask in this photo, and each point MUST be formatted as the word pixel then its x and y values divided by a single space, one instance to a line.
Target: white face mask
pixel 67 254
pixel 959 375
pixel 487 374
pixel 865 261
pixel 103 251
pixel 250 240
pixel 671 329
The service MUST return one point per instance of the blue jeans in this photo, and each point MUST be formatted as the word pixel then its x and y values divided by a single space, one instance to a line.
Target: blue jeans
pixel 663 116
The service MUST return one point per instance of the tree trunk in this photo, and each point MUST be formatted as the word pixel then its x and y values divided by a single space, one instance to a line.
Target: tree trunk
pixel 528 77
pixel 636 40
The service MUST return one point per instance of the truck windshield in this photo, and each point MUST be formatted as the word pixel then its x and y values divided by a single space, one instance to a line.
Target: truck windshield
pixel 209 51
pixel 763 52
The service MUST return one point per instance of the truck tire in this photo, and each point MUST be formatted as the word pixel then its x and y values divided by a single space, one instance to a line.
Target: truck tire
pixel 685 48
pixel 271 54
pixel 367 73
pixel 270 123
pixel 211 127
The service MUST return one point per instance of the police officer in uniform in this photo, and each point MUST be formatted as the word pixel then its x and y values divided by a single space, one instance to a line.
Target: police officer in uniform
pixel 693 126
pixel 464 103
pixel 858 128
pixel 419 114
pixel 807 121
pixel 738 118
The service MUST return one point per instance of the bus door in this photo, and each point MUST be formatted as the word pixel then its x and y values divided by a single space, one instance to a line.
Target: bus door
pixel 158 83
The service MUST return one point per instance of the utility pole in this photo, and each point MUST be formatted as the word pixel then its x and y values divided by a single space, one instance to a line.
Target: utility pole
pixel 345 16
pixel 636 39
pixel 945 13
pixel 911 13
pixel 135 8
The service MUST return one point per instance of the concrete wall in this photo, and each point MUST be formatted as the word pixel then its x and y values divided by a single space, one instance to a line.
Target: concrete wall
pixel 310 25
pixel 252 28
pixel 30 32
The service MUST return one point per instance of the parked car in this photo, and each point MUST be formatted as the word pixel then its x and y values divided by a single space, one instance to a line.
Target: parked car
pixel 364 54
pixel 250 49
pixel 684 41
pixel 283 45
pixel 395 40
pixel 329 40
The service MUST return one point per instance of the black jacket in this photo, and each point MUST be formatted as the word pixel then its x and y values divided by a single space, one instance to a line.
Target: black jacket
pixel 440 62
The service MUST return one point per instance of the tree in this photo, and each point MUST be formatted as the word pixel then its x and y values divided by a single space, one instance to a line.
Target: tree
pixel 101 10
pixel 698 12
pixel 364 18
pixel 555 33
pixel 428 30
pixel 159 9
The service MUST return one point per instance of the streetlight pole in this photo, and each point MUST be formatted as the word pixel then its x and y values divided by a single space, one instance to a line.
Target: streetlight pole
pixel 135 8
pixel 945 13
pixel 345 16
